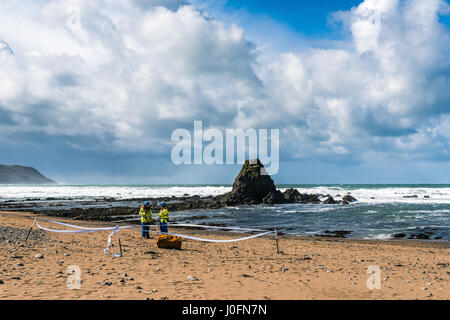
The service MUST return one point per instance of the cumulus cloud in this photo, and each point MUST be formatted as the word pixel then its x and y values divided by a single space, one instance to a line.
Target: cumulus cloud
pixel 392 86
pixel 131 71
pixel 126 73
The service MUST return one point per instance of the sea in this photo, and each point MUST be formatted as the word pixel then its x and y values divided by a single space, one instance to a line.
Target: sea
pixel 383 211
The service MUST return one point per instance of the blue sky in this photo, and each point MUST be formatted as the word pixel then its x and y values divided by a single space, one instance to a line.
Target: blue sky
pixel 358 89
pixel 307 17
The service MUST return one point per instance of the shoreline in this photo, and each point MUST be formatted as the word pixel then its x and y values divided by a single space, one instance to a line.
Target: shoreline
pixel 307 268
pixel 219 231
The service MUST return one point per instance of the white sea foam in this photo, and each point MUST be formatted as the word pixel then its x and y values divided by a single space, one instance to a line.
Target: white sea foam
pixel 386 195
pixel 382 236
pixel 364 195
pixel 119 192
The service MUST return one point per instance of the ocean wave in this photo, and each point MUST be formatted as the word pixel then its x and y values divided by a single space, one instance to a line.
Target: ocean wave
pixel 365 195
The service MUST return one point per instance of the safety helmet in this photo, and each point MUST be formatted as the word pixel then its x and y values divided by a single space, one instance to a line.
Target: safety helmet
pixel 163 204
pixel 146 203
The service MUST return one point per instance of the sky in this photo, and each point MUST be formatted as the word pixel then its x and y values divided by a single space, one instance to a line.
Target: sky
pixel 91 90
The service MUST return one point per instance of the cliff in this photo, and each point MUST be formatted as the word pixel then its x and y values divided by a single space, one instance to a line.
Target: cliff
pixel 13 174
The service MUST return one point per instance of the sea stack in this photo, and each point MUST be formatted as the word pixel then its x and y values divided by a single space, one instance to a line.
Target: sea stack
pixel 251 185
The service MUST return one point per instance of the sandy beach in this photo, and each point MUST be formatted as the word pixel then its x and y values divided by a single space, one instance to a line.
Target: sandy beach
pixel 306 268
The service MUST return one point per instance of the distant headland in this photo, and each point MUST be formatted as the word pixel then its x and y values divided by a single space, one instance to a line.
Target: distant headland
pixel 15 174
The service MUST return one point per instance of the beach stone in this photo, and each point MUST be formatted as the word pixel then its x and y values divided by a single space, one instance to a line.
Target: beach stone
pixel 2 282
pixel 122 280
pixel 191 278
pixel 39 256
pixel 154 290
pixel 107 283
pixel 15 257
pixel 139 287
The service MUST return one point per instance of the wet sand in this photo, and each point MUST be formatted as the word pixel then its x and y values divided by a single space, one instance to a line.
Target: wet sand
pixel 306 268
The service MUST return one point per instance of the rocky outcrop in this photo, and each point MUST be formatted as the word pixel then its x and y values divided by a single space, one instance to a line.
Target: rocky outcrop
pixel 252 184
pixel 274 197
pixel 330 200
pixel 348 198
pixel 13 174
pixel 335 233
pixel 292 195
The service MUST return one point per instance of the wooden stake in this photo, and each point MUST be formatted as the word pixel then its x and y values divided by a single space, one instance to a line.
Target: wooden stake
pixel 29 231
pixel 276 240
pixel 120 246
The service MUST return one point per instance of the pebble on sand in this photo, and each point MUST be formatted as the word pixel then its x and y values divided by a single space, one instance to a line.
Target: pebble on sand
pixel 192 278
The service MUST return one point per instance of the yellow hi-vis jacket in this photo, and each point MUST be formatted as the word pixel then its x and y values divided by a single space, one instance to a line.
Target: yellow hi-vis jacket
pixel 164 215
pixel 146 216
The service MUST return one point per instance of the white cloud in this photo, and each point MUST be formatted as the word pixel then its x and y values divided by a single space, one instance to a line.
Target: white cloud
pixel 129 72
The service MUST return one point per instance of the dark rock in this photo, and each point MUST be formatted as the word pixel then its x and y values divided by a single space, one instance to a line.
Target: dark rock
pixel 413 196
pixel 420 236
pixel 335 233
pixel 304 258
pixel 292 195
pixel 244 275
pixel 348 198
pixel 399 235
pixel 310 198
pixel 253 183
pixel 273 197
pixel 330 200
